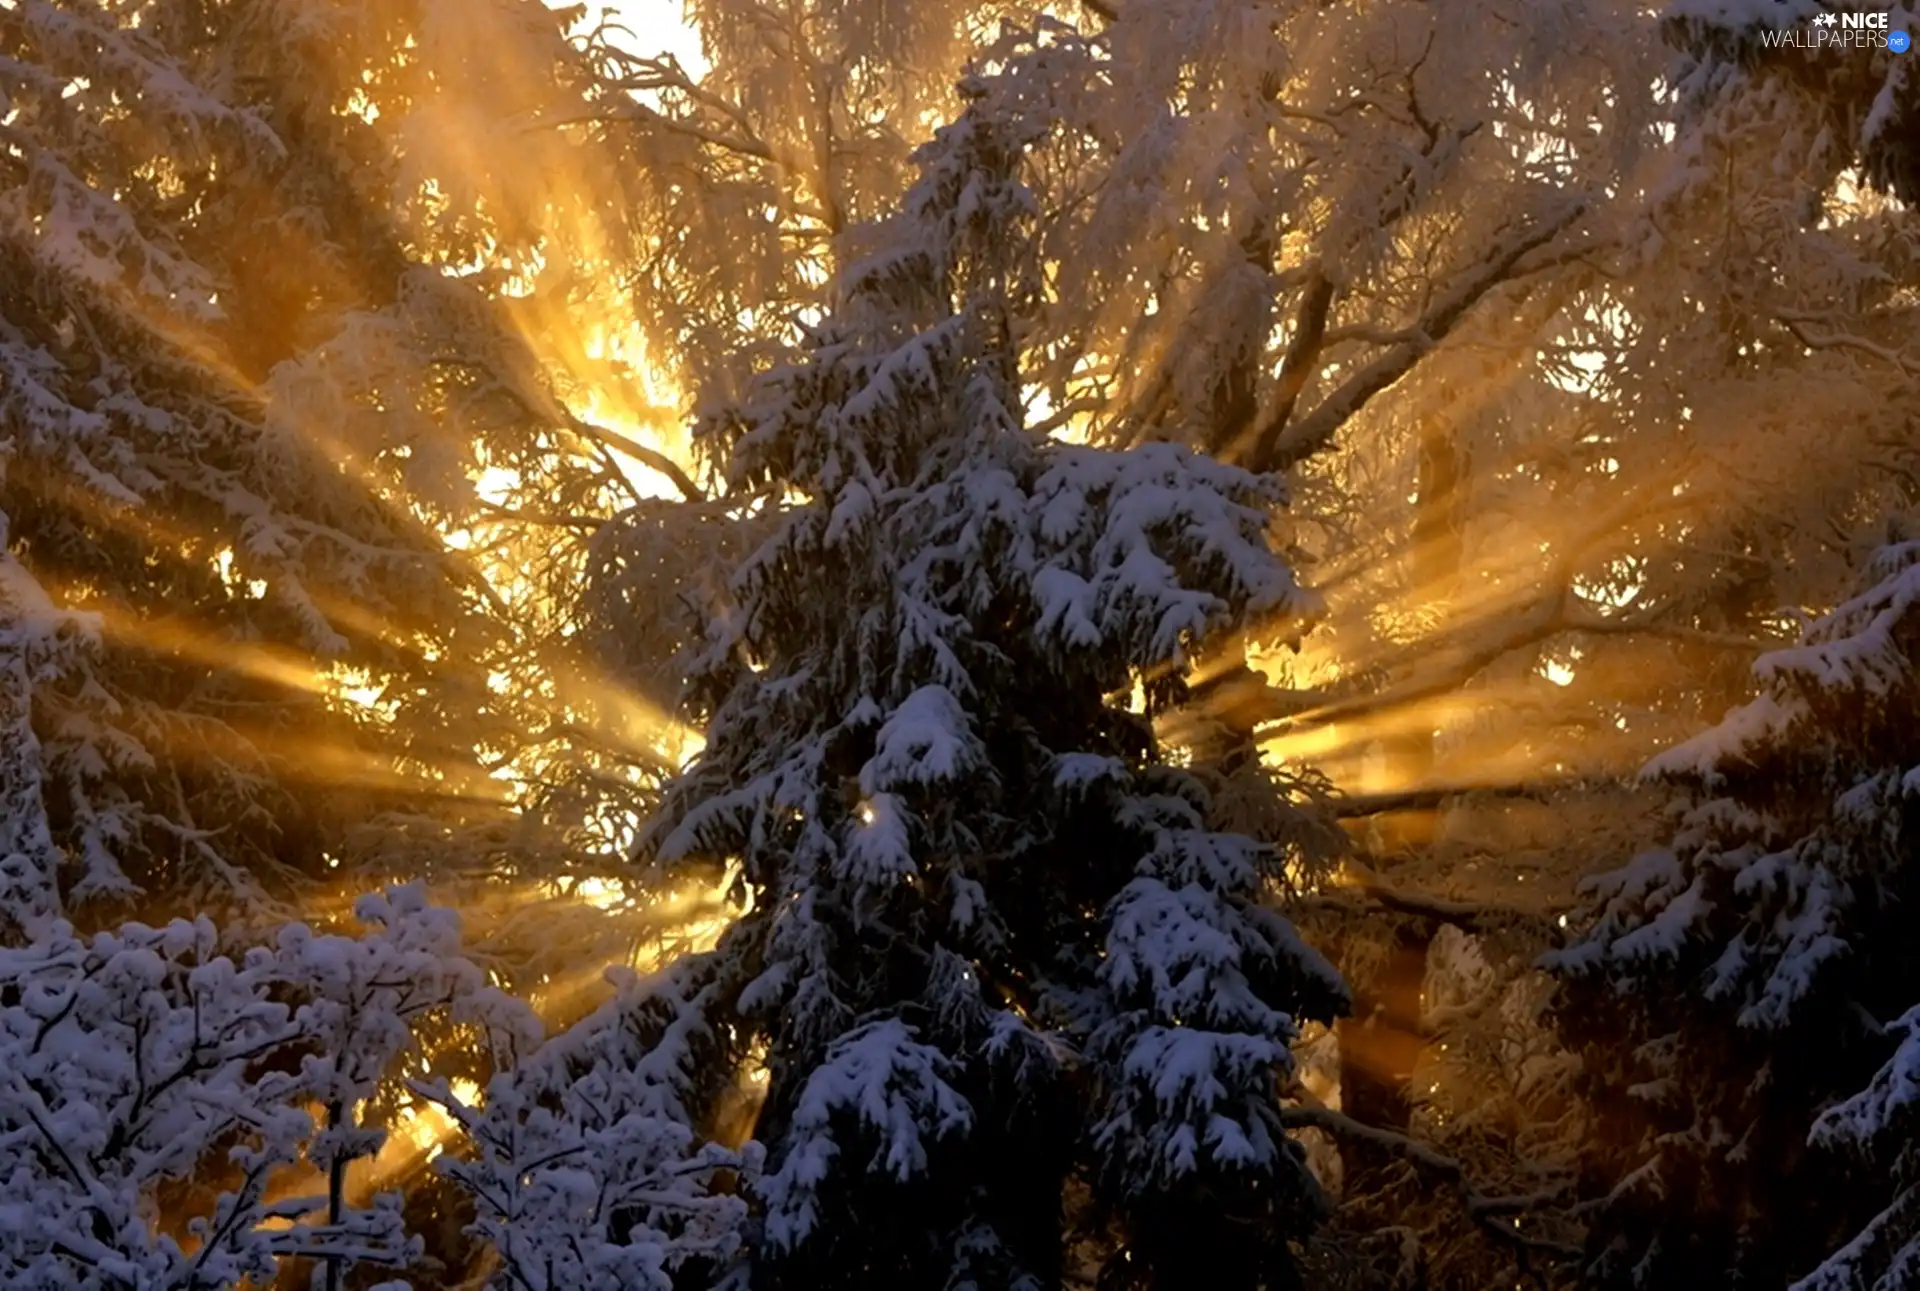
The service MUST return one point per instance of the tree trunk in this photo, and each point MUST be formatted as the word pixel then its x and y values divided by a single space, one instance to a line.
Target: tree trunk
pixel 336 1192
pixel 1433 567
pixel 1381 1044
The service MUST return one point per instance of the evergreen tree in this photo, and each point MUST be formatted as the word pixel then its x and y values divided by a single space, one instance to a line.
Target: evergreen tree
pixel 997 957
pixel 1732 984
pixel 1863 95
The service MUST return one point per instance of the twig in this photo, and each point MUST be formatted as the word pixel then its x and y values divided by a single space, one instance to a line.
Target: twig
pixel 1483 1210
pixel 639 452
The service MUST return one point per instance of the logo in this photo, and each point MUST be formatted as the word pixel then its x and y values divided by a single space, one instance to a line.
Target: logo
pixel 1840 29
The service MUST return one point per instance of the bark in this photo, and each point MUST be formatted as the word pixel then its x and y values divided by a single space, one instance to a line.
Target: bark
pixel 1381 1044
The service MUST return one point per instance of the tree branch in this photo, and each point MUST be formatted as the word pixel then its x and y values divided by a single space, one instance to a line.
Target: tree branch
pixel 1460 914
pixel 1797 325
pixel 639 452
pixel 1484 1211
pixel 554 519
pixel 1361 806
pixel 1279 445
pixel 1302 358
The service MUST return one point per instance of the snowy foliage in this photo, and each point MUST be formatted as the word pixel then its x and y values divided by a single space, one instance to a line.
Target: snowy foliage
pixel 582 1162
pixel 1244 207
pixel 346 535
pixel 1868 97
pixel 1745 963
pixel 993 938
pixel 1878 1124
pixel 200 535
pixel 164 1106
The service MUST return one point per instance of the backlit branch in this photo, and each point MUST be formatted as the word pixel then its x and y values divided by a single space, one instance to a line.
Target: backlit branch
pixel 652 458
pixel 1456 659
pixel 1485 1211
pixel 1279 445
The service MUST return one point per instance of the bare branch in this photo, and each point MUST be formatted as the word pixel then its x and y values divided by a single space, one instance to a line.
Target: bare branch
pixel 747 146
pixel 1302 358
pixel 1485 1211
pixel 552 519
pixel 1279 445
pixel 1361 806
pixel 1840 341
pixel 639 452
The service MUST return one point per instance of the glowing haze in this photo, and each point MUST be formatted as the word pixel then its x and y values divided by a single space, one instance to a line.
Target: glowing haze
pixel 658 27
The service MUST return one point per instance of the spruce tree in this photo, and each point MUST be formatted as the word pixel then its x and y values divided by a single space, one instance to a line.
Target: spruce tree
pixel 1864 98
pixel 1002 969
pixel 1733 982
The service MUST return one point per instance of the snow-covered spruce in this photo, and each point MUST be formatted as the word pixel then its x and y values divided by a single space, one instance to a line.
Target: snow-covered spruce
pixel 994 943
pixel 157 1097
pixel 1730 985
pixel 1871 102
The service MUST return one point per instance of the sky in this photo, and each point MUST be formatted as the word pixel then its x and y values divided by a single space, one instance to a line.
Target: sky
pixel 658 26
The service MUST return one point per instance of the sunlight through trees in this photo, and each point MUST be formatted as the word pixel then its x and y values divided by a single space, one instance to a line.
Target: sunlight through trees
pixel 1132 644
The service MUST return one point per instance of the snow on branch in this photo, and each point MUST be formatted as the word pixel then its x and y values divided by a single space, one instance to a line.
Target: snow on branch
pixel 134 1059
pixel 583 1163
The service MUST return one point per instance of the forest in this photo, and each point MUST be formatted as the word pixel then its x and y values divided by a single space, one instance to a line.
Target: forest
pixel 959 645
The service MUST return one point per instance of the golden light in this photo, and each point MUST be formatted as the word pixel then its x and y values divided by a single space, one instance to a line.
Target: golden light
pixel 758 1073
pixel 600 893
pixel 583 367
pixel 658 26
pixel 357 686
pixel 420 1134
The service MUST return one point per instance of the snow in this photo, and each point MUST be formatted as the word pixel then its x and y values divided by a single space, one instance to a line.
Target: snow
pixel 937 624
pixel 1851 1267
pixel 1769 908
pixel 584 1167
pixel 879 847
pixel 897 1092
pixel 1855 648
pixel 1750 726
pixel 1067 607
pixel 1670 927
pixel 1077 772
pixel 1741 15
pixel 1884 1105
pixel 927 740
pixel 141 1055
pixel 29 860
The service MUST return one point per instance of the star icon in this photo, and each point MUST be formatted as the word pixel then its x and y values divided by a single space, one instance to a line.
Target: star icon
pixel 1825 20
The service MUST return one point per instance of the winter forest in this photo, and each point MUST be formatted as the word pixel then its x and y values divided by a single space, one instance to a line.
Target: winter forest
pixel 967 645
